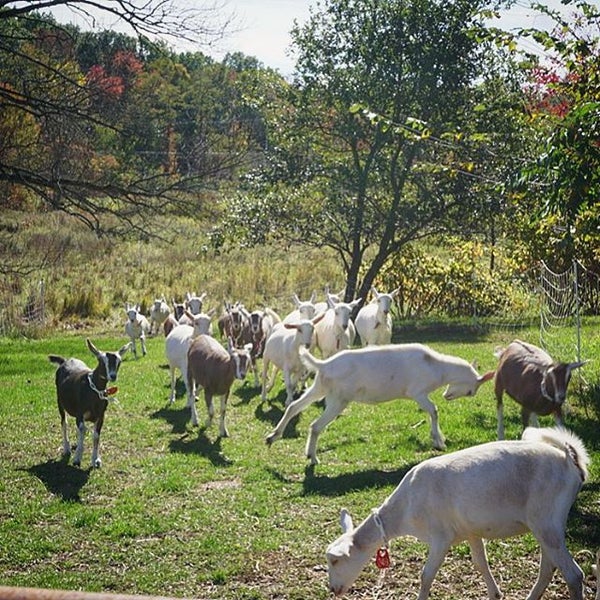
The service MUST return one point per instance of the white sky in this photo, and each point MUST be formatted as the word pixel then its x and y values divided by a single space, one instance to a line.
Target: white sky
pixel 264 27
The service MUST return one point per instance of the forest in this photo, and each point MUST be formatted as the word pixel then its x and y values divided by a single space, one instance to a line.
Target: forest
pixel 409 129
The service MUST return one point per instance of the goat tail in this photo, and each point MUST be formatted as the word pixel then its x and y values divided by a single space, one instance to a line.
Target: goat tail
pixel 59 360
pixel 563 439
pixel 310 362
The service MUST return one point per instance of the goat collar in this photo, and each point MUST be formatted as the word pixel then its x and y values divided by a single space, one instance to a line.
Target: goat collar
pixel 101 393
pixel 379 524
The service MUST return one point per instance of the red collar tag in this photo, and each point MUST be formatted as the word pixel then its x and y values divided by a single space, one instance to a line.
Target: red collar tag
pixel 112 390
pixel 382 559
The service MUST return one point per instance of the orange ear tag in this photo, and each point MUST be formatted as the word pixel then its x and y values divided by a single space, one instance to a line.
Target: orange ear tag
pixel 112 390
pixel 382 560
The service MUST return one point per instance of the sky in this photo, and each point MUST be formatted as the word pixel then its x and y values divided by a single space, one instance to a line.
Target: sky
pixel 264 26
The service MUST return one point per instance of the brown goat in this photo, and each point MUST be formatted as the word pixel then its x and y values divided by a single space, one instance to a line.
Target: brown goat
pixel 82 393
pixel 531 378
pixel 213 368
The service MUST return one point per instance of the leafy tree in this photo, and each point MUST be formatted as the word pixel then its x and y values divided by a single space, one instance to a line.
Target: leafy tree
pixel 564 110
pixel 383 88
pixel 78 159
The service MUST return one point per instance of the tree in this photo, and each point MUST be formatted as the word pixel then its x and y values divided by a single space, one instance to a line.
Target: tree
pixel 384 87
pixel 66 83
pixel 564 110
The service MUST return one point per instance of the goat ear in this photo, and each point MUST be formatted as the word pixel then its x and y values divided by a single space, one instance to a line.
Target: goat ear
pixel 92 348
pixel 575 365
pixel 395 292
pixel 124 349
pixel 317 318
pixel 346 521
pixel 486 377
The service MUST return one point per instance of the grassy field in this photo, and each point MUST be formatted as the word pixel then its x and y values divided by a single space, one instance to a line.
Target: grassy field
pixel 178 511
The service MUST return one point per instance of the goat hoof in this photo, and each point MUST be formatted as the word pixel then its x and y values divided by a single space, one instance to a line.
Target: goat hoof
pixel 270 439
pixel 97 463
pixel 76 463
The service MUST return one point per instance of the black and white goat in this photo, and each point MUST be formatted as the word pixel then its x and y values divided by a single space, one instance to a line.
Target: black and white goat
pixel 81 392
pixel 531 378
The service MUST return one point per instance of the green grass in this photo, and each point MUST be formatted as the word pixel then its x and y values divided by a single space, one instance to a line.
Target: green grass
pixel 178 511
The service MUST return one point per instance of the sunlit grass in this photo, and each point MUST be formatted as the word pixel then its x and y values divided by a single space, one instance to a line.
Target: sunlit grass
pixel 175 510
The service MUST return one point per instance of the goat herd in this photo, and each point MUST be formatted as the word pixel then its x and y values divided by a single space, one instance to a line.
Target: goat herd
pixel 492 490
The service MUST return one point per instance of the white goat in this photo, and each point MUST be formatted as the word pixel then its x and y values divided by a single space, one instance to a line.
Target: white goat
pixel 377 374
pixel 282 348
pixel 530 376
pixel 305 309
pixel 178 342
pixel 193 303
pixel 158 314
pixel 494 490
pixel 336 332
pixel 374 321
pixel 136 327
pixel 213 368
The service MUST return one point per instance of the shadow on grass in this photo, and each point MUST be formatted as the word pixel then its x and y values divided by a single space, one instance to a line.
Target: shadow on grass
pixel 245 392
pixel 61 479
pixel 178 418
pixel 273 414
pixel 338 485
pixel 202 446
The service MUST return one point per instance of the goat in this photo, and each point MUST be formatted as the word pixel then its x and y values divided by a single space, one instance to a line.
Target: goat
pixel 322 306
pixel 81 392
pixel 336 330
pixel 374 321
pixel 169 324
pixel 493 490
pixel 178 342
pixel 232 322
pixel 213 368
pixel 136 327
pixel 531 378
pixel 305 309
pixel 178 309
pixel 282 349
pixel 257 327
pixel 193 304
pixel 158 314
pixel 377 374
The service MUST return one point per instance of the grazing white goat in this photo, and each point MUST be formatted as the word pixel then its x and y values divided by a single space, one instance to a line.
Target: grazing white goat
pixel 82 393
pixel 213 368
pixel 493 490
pixel 282 349
pixel 159 313
pixel 336 330
pixel 305 309
pixel 178 342
pixel 531 378
pixel 377 374
pixel 374 321
pixel 193 304
pixel 136 327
